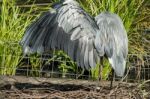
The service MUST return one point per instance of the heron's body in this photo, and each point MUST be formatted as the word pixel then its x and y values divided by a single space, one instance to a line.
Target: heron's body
pixel 85 39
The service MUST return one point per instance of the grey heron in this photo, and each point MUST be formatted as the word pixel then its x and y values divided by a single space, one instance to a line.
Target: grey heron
pixel 85 39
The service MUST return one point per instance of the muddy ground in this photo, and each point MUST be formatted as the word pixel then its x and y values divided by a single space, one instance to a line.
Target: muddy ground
pixel 45 88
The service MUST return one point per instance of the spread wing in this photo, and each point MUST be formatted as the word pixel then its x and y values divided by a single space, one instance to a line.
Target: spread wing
pixel 116 41
pixel 66 27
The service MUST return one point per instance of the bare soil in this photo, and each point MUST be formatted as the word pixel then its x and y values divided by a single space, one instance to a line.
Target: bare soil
pixel 20 87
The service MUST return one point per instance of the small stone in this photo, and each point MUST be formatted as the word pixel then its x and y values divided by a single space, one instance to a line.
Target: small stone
pixel 98 88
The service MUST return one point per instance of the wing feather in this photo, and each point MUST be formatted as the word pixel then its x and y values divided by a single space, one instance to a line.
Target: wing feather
pixel 92 62
pixel 66 27
pixel 79 48
pixel 86 54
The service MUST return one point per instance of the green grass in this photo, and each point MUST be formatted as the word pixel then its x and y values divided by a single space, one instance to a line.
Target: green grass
pixel 12 26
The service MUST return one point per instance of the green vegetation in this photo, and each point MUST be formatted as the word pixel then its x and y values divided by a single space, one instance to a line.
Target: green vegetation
pixel 14 20
pixel 12 26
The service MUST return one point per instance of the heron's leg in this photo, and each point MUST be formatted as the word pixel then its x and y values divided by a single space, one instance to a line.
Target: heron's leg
pixel 99 76
pixel 98 79
pixel 112 78
pixel 100 71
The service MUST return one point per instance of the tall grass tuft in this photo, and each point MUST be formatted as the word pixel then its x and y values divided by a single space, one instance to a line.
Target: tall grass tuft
pixel 12 26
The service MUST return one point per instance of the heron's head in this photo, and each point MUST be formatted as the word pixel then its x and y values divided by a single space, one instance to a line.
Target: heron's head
pixel 118 63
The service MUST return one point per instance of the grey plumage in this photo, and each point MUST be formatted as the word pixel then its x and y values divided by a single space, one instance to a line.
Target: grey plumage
pixel 115 39
pixel 85 39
